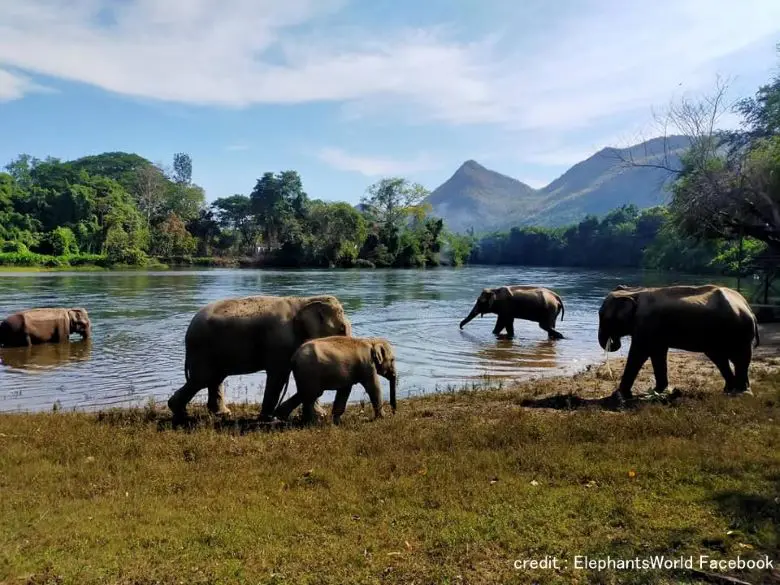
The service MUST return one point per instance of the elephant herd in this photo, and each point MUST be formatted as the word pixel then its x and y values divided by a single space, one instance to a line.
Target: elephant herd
pixel 311 338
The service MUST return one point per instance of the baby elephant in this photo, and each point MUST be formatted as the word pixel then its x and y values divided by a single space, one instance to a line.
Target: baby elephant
pixel 337 363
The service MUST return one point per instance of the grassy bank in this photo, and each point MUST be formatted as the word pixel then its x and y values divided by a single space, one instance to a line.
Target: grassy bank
pixel 452 489
pixel 31 262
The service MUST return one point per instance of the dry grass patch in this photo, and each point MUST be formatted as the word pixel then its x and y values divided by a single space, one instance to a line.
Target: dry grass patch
pixel 452 489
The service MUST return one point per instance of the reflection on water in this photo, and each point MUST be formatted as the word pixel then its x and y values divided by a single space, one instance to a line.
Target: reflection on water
pixel 139 320
pixel 35 358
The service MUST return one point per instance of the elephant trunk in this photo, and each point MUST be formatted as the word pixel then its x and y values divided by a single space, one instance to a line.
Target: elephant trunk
pixel 393 382
pixel 474 313
pixel 608 342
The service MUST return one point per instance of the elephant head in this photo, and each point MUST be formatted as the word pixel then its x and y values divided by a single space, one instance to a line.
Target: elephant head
pixel 617 318
pixel 321 317
pixel 486 302
pixel 79 322
pixel 384 361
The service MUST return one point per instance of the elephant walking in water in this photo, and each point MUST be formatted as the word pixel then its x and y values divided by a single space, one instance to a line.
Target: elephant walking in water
pixel 714 320
pixel 250 334
pixel 45 325
pixel 532 303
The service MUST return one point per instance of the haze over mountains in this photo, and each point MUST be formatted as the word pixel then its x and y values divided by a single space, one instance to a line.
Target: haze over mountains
pixel 478 198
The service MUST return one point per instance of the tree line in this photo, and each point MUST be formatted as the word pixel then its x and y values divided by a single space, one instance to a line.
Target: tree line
pixel 118 208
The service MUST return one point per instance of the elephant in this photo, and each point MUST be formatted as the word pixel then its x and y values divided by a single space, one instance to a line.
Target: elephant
pixel 338 363
pixel 532 303
pixel 44 325
pixel 710 319
pixel 249 334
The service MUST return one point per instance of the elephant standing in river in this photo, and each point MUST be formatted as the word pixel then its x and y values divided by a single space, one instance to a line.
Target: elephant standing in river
pixel 250 334
pixel 45 325
pixel 338 363
pixel 714 320
pixel 532 303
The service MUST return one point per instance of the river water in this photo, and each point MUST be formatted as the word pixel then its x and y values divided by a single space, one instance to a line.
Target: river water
pixel 139 320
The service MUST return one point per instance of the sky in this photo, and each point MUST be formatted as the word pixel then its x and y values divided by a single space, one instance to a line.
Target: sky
pixel 347 92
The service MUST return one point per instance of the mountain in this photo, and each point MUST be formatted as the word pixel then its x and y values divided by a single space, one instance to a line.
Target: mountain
pixel 478 198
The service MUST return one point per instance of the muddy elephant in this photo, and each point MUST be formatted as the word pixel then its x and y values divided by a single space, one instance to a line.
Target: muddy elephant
pixel 338 363
pixel 250 334
pixel 709 319
pixel 531 303
pixel 44 325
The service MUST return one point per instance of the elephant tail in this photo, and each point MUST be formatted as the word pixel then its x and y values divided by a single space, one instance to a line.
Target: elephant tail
pixel 755 328
pixel 561 308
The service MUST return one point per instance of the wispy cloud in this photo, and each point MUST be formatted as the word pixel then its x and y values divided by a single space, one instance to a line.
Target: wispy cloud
pixel 374 166
pixel 601 59
pixel 14 86
pixel 237 147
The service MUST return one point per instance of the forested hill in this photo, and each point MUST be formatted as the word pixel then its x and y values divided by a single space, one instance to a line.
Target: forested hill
pixel 484 200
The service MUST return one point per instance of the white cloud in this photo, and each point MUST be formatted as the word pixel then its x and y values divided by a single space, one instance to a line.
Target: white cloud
pixel 374 166
pixel 601 59
pixel 14 87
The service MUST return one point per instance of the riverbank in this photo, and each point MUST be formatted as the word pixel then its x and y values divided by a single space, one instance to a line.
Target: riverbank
pixel 452 489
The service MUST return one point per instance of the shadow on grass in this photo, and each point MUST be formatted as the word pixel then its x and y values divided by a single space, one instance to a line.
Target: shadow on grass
pixel 756 517
pixel 613 402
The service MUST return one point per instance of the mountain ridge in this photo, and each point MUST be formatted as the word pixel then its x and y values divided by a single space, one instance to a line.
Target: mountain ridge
pixel 485 200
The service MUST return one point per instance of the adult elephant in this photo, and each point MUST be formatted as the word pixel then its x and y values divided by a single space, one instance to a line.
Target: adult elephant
pixel 709 319
pixel 531 303
pixel 250 334
pixel 44 325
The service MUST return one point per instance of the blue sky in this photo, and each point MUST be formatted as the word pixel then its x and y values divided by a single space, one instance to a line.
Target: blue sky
pixel 346 92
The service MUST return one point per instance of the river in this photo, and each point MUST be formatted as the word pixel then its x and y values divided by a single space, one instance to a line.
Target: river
pixel 139 319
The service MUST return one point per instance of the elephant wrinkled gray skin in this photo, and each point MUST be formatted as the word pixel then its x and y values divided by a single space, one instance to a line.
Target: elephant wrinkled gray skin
pixel 714 320
pixel 338 363
pixel 250 334
pixel 532 303
pixel 44 325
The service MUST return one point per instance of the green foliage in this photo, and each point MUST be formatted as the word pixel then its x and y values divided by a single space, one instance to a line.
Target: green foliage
pixel 60 241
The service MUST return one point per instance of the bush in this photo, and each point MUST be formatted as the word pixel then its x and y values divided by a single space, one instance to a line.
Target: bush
pixel 17 247
pixel 363 263
pixel 59 242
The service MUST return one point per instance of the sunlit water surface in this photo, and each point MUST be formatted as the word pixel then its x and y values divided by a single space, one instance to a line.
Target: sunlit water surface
pixel 139 320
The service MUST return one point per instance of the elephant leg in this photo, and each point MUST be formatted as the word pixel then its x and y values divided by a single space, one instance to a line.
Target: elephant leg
pixel 309 414
pixel 340 403
pixel 510 327
pixel 499 326
pixel 274 384
pixel 181 398
pixel 658 359
pixel 550 329
pixel 286 408
pixel 374 391
pixel 722 363
pixel 216 401
pixel 741 359
pixel 637 356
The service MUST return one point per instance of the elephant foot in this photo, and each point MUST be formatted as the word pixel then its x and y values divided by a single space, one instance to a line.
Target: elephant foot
pixel 737 392
pixel 176 408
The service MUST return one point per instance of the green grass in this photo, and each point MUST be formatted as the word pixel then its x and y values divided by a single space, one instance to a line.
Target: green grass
pixel 452 489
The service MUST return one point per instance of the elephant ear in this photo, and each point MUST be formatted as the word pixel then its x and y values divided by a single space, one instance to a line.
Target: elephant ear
pixel 310 320
pixel 625 307
pixel 502 293
pixel 378 353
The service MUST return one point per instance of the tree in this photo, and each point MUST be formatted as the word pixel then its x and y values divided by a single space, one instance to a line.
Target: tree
pixel 391 201
pixel 338 231
pixel 182 168
pixel 149 189
pixel 279 203
pixel 171 238
pixel 235 213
